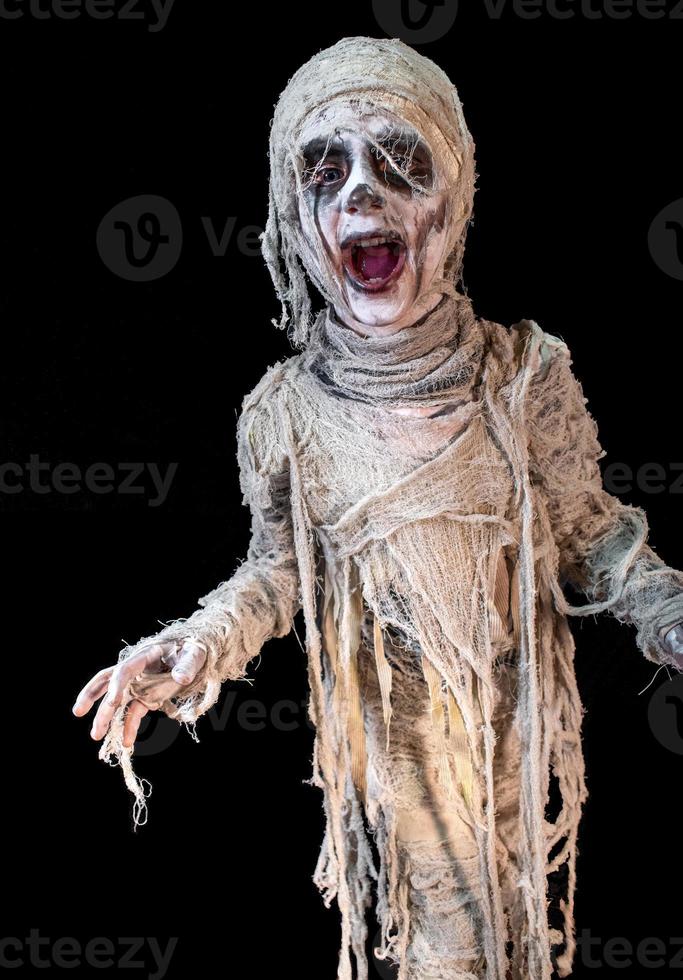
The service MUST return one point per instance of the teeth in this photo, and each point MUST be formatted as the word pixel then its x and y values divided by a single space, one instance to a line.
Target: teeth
pixel 370 242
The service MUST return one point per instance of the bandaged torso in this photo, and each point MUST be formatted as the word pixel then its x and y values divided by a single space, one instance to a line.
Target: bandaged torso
pixel 416 534
pixel 423 507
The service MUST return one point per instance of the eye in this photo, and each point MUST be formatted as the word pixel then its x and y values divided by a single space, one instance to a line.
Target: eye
pixel 329 175
pixel 401 162
pixel 326 174
pixel 396 166
pixel 394 163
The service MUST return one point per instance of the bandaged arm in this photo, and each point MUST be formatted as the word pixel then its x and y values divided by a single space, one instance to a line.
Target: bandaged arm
pixel 602 541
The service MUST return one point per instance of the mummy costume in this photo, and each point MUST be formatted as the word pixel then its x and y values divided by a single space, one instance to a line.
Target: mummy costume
pixel 423 494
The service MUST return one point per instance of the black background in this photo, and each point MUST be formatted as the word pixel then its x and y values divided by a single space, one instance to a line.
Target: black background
pixel 577 126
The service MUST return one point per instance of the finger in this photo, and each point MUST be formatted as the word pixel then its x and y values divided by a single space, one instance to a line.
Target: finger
pixel 122 674
pixel 134 714
pixel 114 695
pixel 103 718
pixel 92 691
pixel 128 669
pixel 190 661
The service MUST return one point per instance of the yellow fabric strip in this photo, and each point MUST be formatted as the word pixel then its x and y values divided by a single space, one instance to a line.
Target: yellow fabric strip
pixel 352 616
pixel 433 678
pixel 348 607
pixel 499 599
pixel 384 674
pixel 356 729
pixel 461 749
pixel 501 592
pixel 514 603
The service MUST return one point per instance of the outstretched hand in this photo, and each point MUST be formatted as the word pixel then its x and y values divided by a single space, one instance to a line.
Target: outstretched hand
pixel 159 672
pixel 673 644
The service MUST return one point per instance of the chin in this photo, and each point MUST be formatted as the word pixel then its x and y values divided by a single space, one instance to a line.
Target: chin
pixel 380 311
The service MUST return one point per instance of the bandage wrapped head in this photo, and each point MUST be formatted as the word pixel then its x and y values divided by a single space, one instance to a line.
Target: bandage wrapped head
pixel 371 186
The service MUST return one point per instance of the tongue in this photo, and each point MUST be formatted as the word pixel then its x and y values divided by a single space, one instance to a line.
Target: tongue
pixel 377 262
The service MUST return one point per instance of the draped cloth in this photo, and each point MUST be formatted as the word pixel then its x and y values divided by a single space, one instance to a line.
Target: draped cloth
pixel 434 362
pixel 444 557
pixel 445 539
pixel 431 553
pixel 449 537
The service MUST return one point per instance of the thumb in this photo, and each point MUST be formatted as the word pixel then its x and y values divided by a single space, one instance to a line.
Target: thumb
pixel 190 661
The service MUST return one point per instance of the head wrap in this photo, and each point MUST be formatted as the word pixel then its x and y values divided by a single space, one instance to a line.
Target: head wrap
pixel 364 73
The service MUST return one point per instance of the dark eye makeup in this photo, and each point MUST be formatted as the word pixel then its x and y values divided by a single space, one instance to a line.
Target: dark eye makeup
pixel 327 161
pixel 402 157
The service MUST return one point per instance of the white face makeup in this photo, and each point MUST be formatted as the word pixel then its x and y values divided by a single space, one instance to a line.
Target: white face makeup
pixel 381 217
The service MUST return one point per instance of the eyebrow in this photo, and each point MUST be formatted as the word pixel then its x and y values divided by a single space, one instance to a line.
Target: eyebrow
pixel 402 137
pixel 322 145
pixel 392 139
pixel 317 147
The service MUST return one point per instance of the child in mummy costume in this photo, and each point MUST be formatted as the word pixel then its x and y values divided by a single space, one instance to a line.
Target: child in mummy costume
pixel 422 483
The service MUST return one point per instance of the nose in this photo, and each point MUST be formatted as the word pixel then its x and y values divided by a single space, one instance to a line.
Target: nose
pixel 363 198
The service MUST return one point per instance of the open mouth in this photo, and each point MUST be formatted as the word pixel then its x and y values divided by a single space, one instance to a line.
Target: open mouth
pixel 372 260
